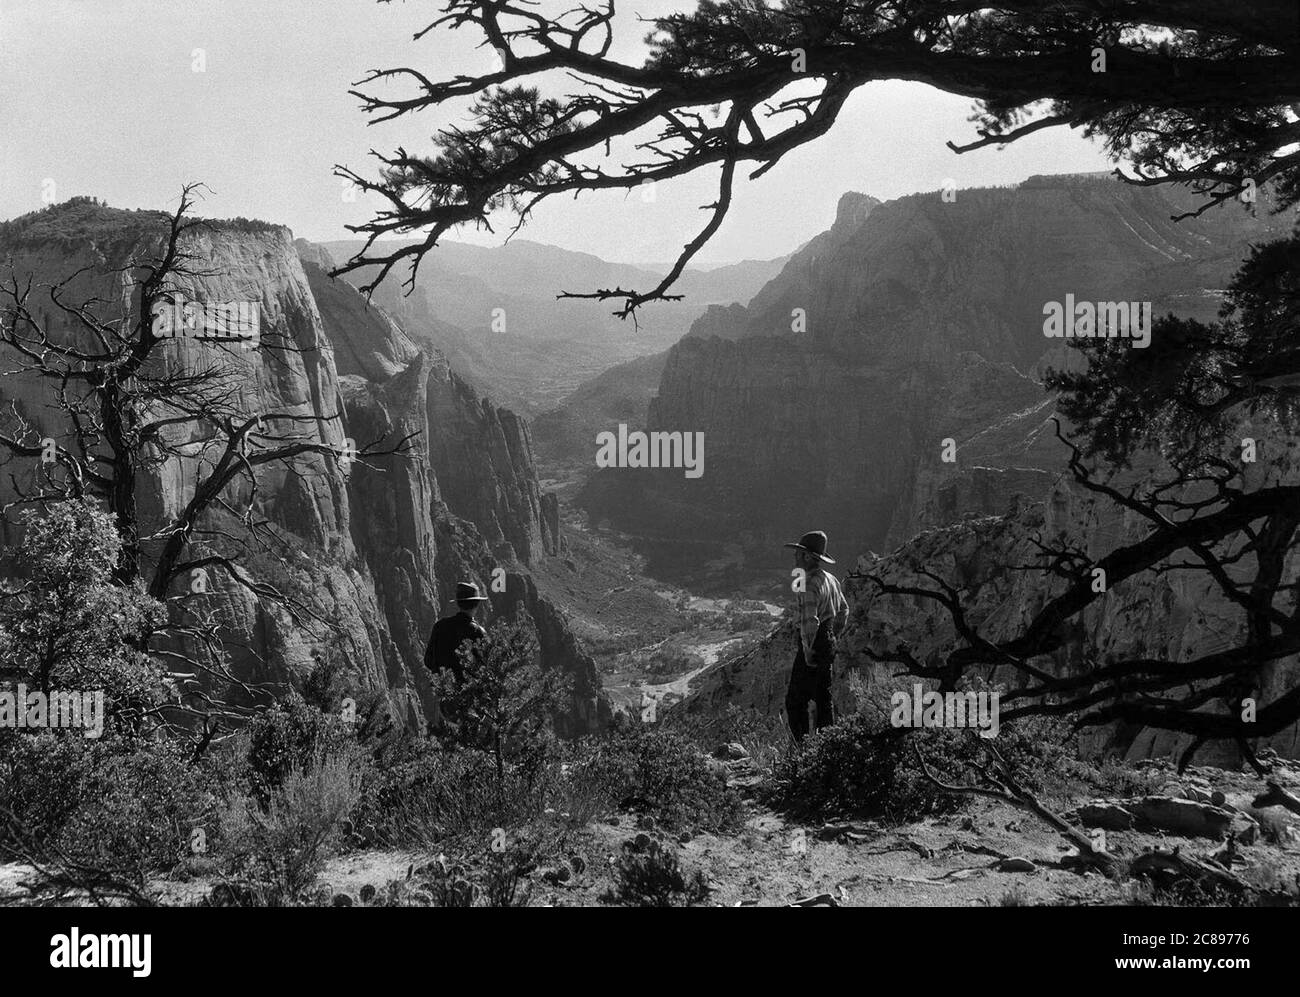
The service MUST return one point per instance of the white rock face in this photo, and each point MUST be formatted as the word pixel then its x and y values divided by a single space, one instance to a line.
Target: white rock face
pixel 378 548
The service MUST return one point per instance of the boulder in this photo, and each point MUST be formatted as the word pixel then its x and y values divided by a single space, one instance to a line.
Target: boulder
pixel 1188 818
pixel 557 874
pixel 1015 864
pixel 1103 814
pixel 820 900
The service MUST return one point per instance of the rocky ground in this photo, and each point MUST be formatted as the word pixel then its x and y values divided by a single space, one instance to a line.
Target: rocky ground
pixel 991 854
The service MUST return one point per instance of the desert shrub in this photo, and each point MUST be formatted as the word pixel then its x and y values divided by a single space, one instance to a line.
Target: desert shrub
pixel 292 735
pixel 764 736
pixel 430 792
pixel 1112 777
pixel 94 798
pixel 406 768
pixel 42 778
pixel 1014 897
pixel 274 850
pixel 497 881
pixel 144 805
pixel 864 767
pixel 93 813
pixel 449 888
pixel 580 801
pixel 661 771
pixel 1181 893
pixel 505 883
pixel 431 798
pixel 504 701
pixel 66 625
pixel 652 876
pixel 434 795
pixel 847 770
pixel 325 685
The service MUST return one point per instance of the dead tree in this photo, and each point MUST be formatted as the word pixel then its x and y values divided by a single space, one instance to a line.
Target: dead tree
pixel 127 401
pixel 995 781
pixel 1187 93
pixel 1182 409
pixel 1276 796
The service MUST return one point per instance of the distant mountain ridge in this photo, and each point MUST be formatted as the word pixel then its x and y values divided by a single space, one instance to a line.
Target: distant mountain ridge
pixel 842 427
pixel 494 312
pixel 465 284
pixel 825 399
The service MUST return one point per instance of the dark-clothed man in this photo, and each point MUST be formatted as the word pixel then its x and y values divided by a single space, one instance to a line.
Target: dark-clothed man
pixel 821 612
pixel 450 633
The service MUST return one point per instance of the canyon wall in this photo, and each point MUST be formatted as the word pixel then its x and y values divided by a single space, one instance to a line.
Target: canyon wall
pixel 1175 616
pixel 825 401
pixel 376 546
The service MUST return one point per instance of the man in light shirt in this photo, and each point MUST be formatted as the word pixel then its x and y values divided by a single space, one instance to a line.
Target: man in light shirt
pixel 821 612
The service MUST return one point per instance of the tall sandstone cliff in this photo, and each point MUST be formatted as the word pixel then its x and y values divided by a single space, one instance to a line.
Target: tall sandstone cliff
pixel 975 521
pixel 824 402
pixel 379 549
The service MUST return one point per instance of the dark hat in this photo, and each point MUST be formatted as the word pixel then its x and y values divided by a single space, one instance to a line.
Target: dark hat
pixel 814 543
pixel 468 592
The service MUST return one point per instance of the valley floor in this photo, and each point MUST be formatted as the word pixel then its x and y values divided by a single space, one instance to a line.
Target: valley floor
pixel 649 639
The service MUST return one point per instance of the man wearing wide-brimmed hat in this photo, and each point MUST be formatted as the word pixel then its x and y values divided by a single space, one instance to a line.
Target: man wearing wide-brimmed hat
pixel 450 633
pixel 821 611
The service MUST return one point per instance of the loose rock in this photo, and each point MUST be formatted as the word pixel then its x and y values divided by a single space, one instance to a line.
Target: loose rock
pixel 1015 864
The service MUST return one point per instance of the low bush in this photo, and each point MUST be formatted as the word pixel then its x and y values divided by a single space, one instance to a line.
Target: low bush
pixel 275 849
pixel 497 881
pixel 94 813
pixel 863 767
pixel 660 771
pixel 425 796
pixel 1111 777
pixel 850 770
pixel 764 736
pixel 291 735
pixel 652 876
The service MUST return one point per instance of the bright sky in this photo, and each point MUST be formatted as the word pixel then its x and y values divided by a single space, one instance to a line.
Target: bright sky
pixel 104 98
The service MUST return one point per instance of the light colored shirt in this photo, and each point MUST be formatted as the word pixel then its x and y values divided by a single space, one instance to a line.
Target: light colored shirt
pixel 821 600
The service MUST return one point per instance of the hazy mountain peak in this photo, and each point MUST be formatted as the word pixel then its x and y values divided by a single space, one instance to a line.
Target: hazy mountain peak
pixel 852 211
pixel 313 252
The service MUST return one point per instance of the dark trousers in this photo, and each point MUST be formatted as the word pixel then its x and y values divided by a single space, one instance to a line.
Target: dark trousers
pixel 808 684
